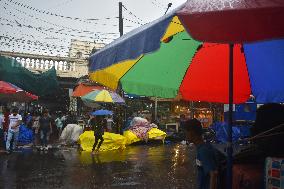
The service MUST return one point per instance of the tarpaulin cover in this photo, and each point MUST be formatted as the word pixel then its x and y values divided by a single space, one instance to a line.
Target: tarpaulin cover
pixel 26 135
pixel 153 134
pixel 239 132
pixel 38 84
pixel 111 141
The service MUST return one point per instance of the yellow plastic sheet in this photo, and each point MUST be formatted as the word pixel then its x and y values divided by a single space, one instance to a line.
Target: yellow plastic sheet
pixel 153 134
pixel 130 137
pixel 157 134
pixel 111 141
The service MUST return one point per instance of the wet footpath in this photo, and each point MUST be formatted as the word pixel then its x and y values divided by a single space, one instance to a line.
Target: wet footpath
pixel 144 166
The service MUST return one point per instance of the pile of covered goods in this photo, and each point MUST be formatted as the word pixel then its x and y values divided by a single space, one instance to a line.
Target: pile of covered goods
pixel 141 130
pixel 70 134
pixel 26 135
pixel 111 141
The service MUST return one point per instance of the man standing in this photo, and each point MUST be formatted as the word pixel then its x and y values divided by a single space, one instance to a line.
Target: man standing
pixel 15 120
pixel 207 157
pixel 45 128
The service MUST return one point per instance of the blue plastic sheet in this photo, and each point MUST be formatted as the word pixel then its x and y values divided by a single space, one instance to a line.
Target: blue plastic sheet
pixel 220 129
pixel 26 135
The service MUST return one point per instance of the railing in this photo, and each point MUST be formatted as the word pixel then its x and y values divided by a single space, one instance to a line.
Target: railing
pixel 65 66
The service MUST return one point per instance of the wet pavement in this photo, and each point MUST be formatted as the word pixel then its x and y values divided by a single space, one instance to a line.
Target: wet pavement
pixel 155 166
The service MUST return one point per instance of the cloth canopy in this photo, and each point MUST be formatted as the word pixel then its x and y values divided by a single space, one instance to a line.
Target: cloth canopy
pixel 39 84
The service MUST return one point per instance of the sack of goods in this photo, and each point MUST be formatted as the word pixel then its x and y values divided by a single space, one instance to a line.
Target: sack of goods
pixel 26 135
pixel 71 133
pixel 141 130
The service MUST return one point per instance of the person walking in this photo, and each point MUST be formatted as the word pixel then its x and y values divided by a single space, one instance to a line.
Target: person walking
pixel 45 129
pixel 98 123
pixel 110 123
pixel 2 139
pixel 207 159
pixel 15 120
pixel 59 124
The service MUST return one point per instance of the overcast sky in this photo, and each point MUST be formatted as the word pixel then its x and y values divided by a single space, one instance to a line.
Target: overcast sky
pixel 46 27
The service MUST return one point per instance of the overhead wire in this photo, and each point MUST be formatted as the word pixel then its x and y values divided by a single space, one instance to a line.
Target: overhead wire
pixel 132 14
pixel 87 20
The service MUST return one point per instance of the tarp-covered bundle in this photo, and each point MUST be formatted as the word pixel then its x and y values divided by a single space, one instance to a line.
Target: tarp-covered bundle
pixel 26 135
pixel 71 133
pixel 111 141
pixel 239 132
pixel 39 84
pixel 141 130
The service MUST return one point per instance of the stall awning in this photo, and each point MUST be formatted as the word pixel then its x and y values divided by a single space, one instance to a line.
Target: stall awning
pixel 39 84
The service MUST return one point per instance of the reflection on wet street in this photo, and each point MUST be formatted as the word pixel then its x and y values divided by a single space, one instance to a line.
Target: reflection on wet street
pixel 155 166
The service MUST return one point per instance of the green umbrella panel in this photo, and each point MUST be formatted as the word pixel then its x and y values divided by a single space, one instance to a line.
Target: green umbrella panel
pixel 162 71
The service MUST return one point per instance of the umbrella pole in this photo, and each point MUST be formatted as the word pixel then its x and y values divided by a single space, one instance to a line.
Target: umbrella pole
pixel 230 119
pixel 156 108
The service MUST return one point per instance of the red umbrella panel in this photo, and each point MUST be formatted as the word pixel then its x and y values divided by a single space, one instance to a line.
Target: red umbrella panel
pixel 233 21
pixel 207 76
pixel 10 92
pixel 7 88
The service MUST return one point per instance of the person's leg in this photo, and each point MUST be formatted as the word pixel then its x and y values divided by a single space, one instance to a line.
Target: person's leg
pixel 41 137
pixel 8 141
pixel 96 142
pixel 2 138
pixel 45 138
pixel 101 142
pixel 15 142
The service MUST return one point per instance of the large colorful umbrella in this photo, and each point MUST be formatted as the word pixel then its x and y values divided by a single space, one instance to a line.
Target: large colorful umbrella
pixel 83 89
pixel 103 96
pixel 161 59
pixel 10 92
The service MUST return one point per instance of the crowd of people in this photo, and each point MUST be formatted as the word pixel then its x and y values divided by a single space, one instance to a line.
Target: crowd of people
pixel 37 128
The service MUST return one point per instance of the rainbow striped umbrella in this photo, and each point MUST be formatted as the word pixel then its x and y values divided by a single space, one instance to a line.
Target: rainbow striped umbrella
pixel 103 96
pixel 162 59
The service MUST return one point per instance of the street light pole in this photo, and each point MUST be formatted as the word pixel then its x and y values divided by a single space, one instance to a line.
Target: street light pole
pixel 169 5
pixel 120 19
